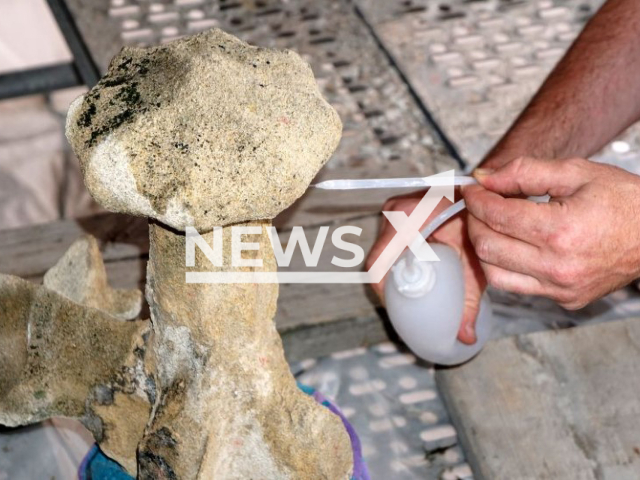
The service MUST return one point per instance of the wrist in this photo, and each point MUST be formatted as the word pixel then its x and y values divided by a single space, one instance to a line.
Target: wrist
pixel 510 148
pixel 500 156
pixel 528 137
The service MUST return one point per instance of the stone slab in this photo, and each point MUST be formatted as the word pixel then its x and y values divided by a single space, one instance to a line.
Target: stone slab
pixel 552 405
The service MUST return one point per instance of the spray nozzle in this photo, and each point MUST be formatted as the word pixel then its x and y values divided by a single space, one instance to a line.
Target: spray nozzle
pixel 413 279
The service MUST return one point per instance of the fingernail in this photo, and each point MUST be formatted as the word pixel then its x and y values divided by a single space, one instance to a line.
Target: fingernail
pixel 482 172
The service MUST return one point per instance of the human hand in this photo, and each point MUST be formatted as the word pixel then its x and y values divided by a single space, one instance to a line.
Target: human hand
pixel 582 245
pixel 452 233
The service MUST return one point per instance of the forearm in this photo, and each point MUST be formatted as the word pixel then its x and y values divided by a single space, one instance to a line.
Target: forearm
pixel 592 95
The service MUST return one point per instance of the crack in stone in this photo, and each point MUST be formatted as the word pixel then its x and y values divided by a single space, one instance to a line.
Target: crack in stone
pixel 584 445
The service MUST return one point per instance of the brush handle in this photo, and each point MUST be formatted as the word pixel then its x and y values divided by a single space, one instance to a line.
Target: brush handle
pixel 416 182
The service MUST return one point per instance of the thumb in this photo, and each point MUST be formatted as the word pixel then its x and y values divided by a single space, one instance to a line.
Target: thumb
pixel 535 177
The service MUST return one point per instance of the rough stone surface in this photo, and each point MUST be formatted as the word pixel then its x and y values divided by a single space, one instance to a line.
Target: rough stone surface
pixel 208 131
pixel 227 405
pixel 81 277
pixel 204 131
pixel 60 358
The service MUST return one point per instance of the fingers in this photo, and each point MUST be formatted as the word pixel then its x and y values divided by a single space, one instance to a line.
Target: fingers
pixel 467 333
pixel 453 234
pixel 523 219
pixel 530 176
pixel 506 252
pixel 474 284
pixel 512 281
pixel 508 263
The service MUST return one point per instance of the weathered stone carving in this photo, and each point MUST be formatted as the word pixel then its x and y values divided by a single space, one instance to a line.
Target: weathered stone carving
pixel 80 276
pixel 64 352
pixel 206 131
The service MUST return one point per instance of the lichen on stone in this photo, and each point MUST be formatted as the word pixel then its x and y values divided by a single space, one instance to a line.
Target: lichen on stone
pixel 204 131
pixel 61 358
pixel 208 131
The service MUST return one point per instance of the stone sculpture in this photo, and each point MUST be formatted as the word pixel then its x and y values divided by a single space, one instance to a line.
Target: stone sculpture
pixel 66 350
pixel 206 131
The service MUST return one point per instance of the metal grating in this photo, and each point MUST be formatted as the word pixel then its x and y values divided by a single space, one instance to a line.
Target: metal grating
pixel 385 133
pixel 391 399
pixel 476 63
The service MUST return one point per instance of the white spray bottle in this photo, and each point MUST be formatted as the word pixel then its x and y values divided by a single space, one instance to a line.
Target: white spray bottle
pixel 425 302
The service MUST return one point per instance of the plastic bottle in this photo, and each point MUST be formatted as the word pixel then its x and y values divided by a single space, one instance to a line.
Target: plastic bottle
pixel 425 302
